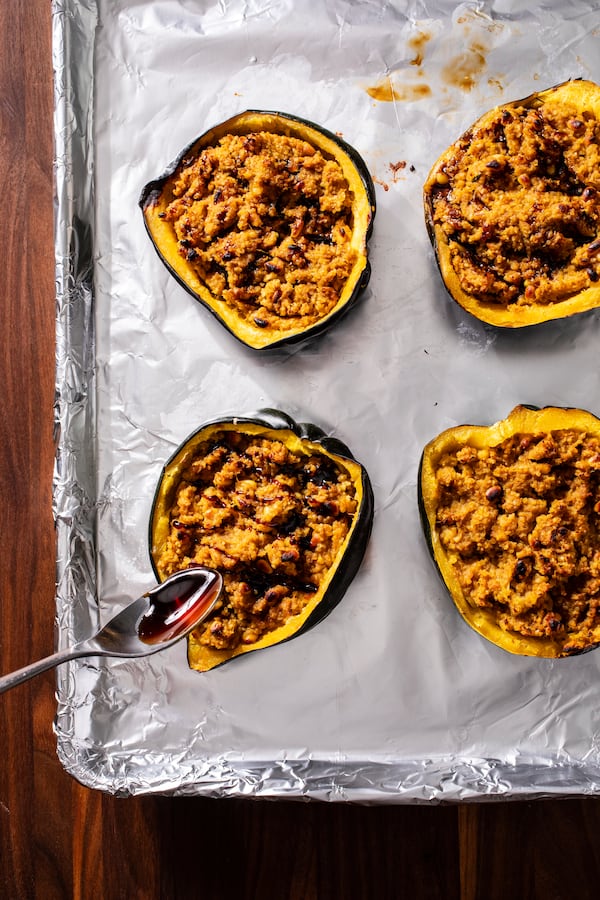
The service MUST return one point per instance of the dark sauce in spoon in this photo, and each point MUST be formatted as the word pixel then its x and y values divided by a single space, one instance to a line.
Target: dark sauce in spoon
pixel 175 611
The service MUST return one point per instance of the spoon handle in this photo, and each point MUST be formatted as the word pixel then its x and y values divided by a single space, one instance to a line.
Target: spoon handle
pixel 42 665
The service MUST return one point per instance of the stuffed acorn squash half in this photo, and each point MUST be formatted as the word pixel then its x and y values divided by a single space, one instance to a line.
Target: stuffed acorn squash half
pixel 511 513
pixel 265 220
pixel 513 209
pixel 280 509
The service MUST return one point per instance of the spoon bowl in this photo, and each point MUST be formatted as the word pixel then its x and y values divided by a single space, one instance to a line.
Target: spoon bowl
pixel 153 622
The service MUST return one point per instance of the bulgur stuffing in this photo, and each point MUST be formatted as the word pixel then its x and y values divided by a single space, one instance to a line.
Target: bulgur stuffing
pixel 271 520
pixel 520 522
pixel 266 222
pixel 518 199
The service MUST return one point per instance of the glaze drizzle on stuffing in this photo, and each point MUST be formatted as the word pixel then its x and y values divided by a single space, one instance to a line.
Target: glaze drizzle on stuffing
pixel 518 200
pixel 272 520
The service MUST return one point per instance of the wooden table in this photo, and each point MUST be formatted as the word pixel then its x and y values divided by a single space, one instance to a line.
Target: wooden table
pixel 59 839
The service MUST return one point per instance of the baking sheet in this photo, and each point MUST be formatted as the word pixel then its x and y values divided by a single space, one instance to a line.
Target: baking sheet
pixel 392 698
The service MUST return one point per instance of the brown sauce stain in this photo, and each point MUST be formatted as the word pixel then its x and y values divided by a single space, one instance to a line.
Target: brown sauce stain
pixel 383 184
pixel 396 168
pixel 464 70
pixel 481 20
pixel 417 43
pixel 383 91
pixel 388 92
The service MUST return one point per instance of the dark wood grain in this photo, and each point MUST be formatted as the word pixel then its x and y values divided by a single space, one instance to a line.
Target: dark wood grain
pixel 35 831
pixel 61 840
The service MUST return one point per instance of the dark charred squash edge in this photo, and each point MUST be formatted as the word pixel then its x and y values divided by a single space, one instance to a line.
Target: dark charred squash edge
pixel 522 419
pixel 587 95
pixel 331 145
pixel 280 426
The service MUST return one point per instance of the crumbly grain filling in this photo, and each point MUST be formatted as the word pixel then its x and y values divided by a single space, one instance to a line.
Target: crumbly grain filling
pixel 271 520
pixel 520 521
pixel 266 222
pixel 519 202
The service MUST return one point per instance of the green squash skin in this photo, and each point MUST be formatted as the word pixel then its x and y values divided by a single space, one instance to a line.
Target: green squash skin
pixel 427 534
pixel 153 189
pixel 348 567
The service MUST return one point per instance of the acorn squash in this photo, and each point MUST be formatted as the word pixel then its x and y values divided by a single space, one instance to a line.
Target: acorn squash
pixel 513 209
pixel 265 220
pixel 511 514
pixel 283 511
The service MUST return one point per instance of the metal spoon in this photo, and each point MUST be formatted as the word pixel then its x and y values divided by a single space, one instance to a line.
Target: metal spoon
pixel 156 620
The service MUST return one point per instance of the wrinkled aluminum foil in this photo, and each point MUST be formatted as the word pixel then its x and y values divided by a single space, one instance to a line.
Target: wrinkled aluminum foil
pixel 392 698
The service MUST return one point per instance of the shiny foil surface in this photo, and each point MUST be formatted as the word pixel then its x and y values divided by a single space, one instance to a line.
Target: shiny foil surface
pixel 392 698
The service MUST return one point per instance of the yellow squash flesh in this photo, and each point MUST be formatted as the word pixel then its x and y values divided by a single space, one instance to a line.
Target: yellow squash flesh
pixel 583 97
pixel 333 585
pixel 157 196
pixel 522 420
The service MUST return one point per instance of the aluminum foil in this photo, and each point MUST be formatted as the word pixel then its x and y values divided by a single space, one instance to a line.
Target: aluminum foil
pixel 392 698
